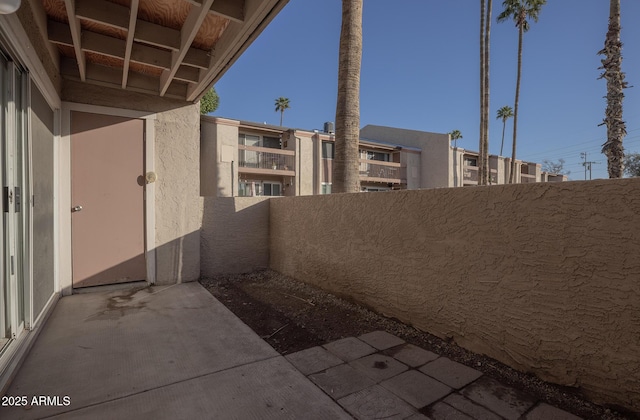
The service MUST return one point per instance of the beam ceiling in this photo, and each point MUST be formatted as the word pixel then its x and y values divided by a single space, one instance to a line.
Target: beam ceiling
pixel 174 48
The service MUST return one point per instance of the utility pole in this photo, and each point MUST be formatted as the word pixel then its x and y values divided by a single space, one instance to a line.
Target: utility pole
pixel 587 165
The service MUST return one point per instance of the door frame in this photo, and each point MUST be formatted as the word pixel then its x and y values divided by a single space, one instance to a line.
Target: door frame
pixel 64 188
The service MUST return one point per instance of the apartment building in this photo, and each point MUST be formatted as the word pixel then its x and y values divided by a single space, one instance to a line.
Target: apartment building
pixel 242 158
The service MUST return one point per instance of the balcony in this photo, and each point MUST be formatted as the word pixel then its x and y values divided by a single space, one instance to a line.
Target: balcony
pixel 387 172
pixel 470 175
pixel 266 161
pixel 527 179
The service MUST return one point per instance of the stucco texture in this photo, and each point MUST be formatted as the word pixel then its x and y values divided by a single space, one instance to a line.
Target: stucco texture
pixel 178 205
pixel 543 277
pixel 235 235
pixel 178 202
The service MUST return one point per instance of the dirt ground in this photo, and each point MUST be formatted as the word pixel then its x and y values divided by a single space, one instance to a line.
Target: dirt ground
pixel 293 316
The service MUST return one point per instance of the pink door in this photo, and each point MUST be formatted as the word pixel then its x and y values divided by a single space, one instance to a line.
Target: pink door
pixel 107 198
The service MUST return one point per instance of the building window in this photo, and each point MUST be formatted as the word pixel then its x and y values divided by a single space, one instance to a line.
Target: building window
pixel 249 140
pixel 271 142
pixel 326 188
pixel 469 161
pixel 259 188
pixel 379 156
pixel 259 141
pixel 328 150
pixel 271 189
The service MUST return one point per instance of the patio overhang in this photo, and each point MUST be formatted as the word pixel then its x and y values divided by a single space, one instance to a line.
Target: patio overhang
pixel 172 48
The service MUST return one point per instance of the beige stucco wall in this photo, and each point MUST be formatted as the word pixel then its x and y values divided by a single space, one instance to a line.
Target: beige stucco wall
pixel 542 277
pixel 235 234
pixel 218 157
pixel 178 206
pixel 436 157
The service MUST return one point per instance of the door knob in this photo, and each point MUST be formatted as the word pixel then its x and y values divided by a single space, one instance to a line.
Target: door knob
pixel 76 208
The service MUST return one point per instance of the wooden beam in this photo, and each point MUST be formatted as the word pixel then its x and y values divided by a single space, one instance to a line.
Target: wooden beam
pixel 111 78
pixel 230 9
pixel 159 36
pixel 150 56
pixel 76 36
pixel 189 30
pixel 59 33
pixel 235 39
pixel 197 58
pixel 133 17
pixel 103 44
pixel 187 74
pixel 110 46
pixel 104 12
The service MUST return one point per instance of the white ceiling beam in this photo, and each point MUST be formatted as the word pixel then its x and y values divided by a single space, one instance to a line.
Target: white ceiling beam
pixel 59 33
pixel 187 34
pixel 76 36
pixel 111 77
pixel 133 17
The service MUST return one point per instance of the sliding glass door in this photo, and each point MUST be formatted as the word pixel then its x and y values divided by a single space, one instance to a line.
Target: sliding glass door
pixel 15 201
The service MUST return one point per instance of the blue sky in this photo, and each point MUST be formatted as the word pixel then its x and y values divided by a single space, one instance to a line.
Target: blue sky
pixel 420 71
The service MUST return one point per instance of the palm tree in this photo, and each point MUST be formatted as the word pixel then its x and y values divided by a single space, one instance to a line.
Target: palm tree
pixel 519 11
pixel 485 36
pixel 346 176
pixel 282 103
pixel 616 129
pixel 482 88
pixel 455 135
pixel 504 113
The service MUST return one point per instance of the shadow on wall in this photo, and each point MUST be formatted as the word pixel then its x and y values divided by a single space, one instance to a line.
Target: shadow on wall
pixel 235 235
pixel 176 262
pixel 542 277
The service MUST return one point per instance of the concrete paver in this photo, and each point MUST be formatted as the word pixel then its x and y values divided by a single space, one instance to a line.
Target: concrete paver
pixel 375 402
pixel 442 411
pixel 454 374
pixel 341 381
pixel 378 366
pixel 176 352
pixel 499 398
pixel 313 360
pixel 411 355
pixel 381 340
pixel 416 388
pixel 470 408
pixel 548 412
pixel 349 348
pixel 168 350
pixel 268 389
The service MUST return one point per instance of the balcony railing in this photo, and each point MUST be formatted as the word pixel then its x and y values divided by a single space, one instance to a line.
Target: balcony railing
pixel 527 179
pixel 470 175
pixel 264 160
pixel 378 171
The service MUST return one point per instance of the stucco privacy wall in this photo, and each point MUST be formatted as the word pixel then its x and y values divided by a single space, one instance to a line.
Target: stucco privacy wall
pixel 543 277
pixel 178 206
pixel 235 235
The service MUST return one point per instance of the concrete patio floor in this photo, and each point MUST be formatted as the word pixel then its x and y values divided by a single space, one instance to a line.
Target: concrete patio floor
pixel 173 352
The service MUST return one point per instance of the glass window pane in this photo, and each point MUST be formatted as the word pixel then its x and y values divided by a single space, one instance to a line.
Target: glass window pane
pixel 328 150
